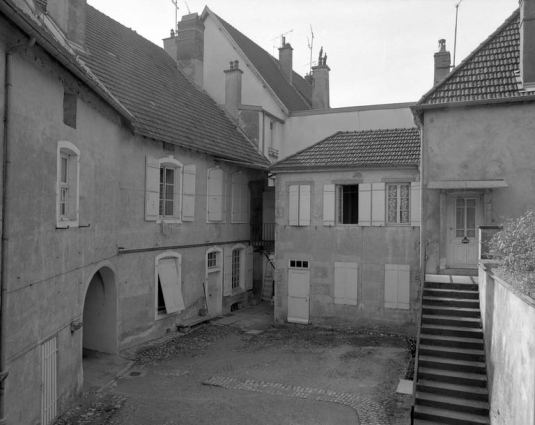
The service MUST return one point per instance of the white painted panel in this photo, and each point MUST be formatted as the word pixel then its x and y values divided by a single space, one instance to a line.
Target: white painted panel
pixel 391 286
pixel 227 272
pixel 304 205
pixel 170 283
pixel 378 204
pixel 404 289
pixel 215 194
pixel 249 267
pixel 351 283
pixel 415 204
pixel 188 209
pixel 365 204
pixel 328 204
pixel 152 189
pixel 340 283
pixel 48 352
pixel 298 296
pixel 293 205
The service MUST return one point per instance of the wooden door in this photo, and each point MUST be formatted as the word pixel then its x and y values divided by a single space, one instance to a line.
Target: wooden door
pixel 298 295
pixel 464 238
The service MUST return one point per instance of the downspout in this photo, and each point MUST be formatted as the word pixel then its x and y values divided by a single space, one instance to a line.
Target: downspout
pixel 4 239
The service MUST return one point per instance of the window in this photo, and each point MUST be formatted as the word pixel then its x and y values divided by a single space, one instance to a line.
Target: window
pixel 168 284
pixel 240 198
pixel 465 217
pixel 170 190
pixel 211 259
pixel 348 204
pixel 299 205
pixel 299 264
pixel 236 269
pixel 398 203
pixel 397 286
pixel 67 188
pixel 216 195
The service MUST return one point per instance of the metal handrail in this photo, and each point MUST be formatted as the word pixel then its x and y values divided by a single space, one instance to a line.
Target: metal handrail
pixel 417 354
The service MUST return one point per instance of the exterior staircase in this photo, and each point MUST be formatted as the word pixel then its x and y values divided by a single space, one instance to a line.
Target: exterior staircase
pixel 451 379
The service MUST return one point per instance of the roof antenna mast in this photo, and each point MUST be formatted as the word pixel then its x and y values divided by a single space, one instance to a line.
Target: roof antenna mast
pixel 176 14
pixel 311 47
pixel 455 39
pixel 187 7
pixel 282 39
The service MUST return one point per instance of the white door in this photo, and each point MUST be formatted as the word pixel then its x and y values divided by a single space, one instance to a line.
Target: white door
pixel 298 295
pixel 464 238
pixel 214 288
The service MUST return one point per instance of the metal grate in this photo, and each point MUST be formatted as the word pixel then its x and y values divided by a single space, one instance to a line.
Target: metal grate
pixel 49 393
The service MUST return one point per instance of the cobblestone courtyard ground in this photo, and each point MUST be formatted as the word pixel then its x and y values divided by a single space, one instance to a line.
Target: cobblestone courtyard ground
pixel 290 374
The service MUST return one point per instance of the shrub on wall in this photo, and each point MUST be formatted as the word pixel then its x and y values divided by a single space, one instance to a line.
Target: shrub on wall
pixel 514 248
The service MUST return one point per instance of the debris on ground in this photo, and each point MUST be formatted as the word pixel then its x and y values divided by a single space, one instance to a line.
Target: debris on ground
pixel 92 408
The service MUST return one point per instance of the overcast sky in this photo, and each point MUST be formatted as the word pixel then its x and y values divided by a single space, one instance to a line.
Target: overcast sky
pixel 379 51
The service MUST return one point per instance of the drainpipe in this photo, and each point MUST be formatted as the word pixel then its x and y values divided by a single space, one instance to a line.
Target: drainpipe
pixel 4 239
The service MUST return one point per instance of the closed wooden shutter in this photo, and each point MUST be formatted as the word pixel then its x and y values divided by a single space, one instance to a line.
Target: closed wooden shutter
pixel 304 205
pixel 329 196
pixel 365 204
pixel 293 205
pixel 227 272
pixel 249 268
pixel 397 286
pixel 378 204
pixel 240 199
pixel 215 194
pixel 188 209
pixel 171 285
pixel 152 189
pixel 404 290
pixel 415 204
pixel 345 283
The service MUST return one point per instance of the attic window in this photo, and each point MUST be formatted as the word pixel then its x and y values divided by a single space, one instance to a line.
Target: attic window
pixel 69 108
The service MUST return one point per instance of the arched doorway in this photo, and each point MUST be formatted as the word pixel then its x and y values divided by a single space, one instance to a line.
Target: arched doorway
pixel 100 313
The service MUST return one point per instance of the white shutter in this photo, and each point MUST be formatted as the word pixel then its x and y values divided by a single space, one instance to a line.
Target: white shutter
pixel 378 204
pixel 328 204
pixel 215 194
pixel 227 272
pixel 365 204
pixel 249 268
pixel 293 205
pixel 188 209
pixel 245 200
pixel 351 283
pixel 171 286
pixel 152 189
pixel 224 196
pixel 415 204
pixel 304 205
pixel 404 278
pixel 391 286
pixel 236 199
pixel 339 283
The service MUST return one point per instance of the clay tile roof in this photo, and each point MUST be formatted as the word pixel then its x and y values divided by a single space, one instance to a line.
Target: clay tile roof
pixel 399 146
pixel 296 96
pixel 165 104
pixel 487 73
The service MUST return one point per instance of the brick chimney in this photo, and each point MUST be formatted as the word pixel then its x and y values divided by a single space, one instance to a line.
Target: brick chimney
pixel 286 59
pixel 186 46
pixel 69 15
pixel 320 83
pixel 233 77
pixel 527 43
pixel 442 62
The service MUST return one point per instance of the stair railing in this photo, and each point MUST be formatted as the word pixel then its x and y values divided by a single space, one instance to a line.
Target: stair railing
pixel 419 320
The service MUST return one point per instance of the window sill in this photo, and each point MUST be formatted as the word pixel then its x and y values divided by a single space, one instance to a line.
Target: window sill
pixel 160 316
pixel 238 291
pixel 169 221
pixel 64 224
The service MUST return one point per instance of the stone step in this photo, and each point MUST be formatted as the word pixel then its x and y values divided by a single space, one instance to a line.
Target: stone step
pixel 436 319
pixel 452 377
pixel 444 310
pixel 452 353
pixel 456 404
pixel 450 285
pixel 443 416
pixel 451 293
pixel 440 278
pixel 452 364
pixel 451 331
pixel 452 341
pixel 453 390
pixel 449 302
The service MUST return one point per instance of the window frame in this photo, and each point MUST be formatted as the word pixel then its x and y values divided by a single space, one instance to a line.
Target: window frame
pixel 68 152
pixel 398 204
pixel 158 315
pixel 171 163
pixel 339 204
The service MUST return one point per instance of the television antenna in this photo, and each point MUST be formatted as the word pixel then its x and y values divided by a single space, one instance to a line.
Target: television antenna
pixel 455 38
pixel 310 47
pixel 282 38
pixel 175 2
pixel 187 7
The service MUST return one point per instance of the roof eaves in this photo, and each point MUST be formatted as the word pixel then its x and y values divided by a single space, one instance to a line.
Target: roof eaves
pixel 455 70
pixel 328 168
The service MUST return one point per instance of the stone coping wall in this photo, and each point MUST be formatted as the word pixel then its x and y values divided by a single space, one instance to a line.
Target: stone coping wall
pixel 508 319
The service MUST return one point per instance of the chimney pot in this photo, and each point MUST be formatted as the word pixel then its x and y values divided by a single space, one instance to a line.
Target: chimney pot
pixel 442 62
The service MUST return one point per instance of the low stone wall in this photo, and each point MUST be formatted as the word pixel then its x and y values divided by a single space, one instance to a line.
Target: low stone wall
pixel 509 326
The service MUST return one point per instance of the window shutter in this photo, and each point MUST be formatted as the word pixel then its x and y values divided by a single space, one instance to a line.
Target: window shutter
pixel 351 283
pixel 236 199
pixel 245 200
pixel 365 204
pixel 188 210
pixel 404 278
pixel 293 205
pixel 215 194
pixel 304 205
pixel 223 189
pixel 391 286
pixel 227 272
pixel 415 204
pixel 339 283
pixel 152 189
pixel 240 199
pixel 328 204
pixel 378 204
pixel 170 283
pixel 249 268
